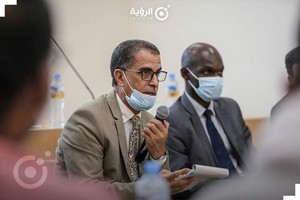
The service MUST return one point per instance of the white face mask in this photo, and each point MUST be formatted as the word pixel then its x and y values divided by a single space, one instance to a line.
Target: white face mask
pixel 139 101
pixel 210 88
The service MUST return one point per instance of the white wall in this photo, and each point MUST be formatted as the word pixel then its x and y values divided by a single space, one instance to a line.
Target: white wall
pixel 252 36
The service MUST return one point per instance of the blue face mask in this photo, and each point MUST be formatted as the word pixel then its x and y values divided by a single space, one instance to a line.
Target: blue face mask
pixel 139 101
pixel 210 88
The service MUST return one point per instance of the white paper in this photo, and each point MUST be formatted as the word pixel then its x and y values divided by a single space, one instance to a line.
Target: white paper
pixel 203 173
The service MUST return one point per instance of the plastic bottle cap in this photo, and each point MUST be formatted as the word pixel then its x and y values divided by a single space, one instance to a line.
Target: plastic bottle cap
pixel 172 76
pixel 152 167
pixel 57 76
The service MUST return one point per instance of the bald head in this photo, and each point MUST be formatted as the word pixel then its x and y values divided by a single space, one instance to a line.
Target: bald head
pixel 198 53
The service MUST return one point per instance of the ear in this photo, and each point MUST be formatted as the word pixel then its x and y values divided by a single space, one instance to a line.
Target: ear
pixel 290 80
pixel 119 76
pixel 185 73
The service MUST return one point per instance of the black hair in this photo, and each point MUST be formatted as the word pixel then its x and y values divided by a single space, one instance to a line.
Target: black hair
pixel 123 56
pixel 24 43
pixel 291 58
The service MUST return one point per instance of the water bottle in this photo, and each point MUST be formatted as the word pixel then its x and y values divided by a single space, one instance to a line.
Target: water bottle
pixel 172 89
pixel 151 186
pixel 57 103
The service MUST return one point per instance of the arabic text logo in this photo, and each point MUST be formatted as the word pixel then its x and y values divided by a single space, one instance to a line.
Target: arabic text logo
pixel 160 13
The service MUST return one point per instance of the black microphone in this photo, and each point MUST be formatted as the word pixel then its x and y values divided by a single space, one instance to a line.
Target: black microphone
pixel 73 68
pixel 162 113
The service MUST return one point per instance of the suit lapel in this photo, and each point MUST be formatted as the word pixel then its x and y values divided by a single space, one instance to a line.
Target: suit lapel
pixel 116 112
pixel 225 120
pixel 199 129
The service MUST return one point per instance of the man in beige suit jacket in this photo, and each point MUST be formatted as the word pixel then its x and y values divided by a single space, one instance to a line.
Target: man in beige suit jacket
pixel 95 141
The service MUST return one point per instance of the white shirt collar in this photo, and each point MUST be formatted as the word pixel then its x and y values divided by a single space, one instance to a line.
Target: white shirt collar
pixel 198 107
pixel 127 114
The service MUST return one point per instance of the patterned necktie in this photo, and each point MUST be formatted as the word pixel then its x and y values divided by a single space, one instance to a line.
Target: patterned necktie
pixel 218 146
pixel 133 147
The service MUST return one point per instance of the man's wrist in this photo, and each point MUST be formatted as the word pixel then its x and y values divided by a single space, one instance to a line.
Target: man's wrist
pixel 163 156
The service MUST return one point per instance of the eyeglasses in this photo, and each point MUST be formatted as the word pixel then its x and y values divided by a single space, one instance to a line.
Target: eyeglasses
pixel 147 75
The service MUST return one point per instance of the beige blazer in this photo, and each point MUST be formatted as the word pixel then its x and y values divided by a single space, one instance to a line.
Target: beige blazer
pixel 93 145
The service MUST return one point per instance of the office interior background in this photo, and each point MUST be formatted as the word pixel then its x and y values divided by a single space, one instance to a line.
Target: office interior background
pixel 253 37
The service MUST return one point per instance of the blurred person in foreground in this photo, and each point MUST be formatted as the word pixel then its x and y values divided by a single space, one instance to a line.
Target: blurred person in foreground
pixel 275 169
pixel 292 65
pixel 24 46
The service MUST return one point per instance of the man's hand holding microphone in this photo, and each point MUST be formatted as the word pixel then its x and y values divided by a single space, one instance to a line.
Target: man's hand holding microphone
pixel 155 134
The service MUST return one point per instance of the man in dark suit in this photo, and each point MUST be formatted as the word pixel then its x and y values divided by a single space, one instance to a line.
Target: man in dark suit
pixel 292 64
pixel 204 128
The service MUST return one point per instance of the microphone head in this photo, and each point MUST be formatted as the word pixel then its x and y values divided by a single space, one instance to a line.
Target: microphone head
pixel 162 112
